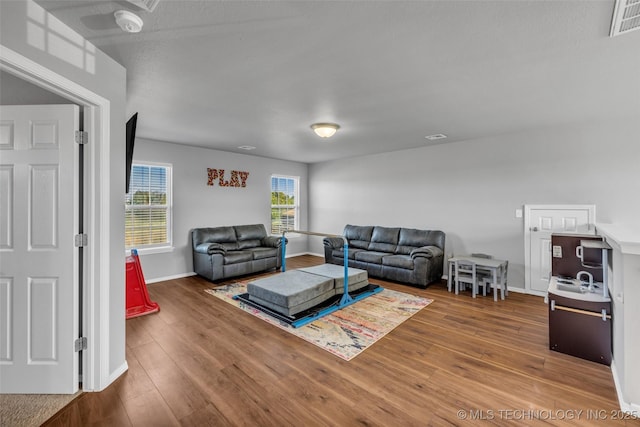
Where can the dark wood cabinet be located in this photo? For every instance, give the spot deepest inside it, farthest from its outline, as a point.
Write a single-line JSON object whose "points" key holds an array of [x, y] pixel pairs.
{"points": [[580, 328]]}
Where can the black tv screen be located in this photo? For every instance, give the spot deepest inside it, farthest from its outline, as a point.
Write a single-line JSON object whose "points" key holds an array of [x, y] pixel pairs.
{"points": [[131, 137]]}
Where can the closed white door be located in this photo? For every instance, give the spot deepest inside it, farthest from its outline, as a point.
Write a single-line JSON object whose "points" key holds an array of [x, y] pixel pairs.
{"points": [[38, 259], [540, 223]]}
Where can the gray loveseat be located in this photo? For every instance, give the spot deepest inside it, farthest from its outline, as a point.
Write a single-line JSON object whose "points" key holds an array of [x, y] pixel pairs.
{"points": [[222, 252], [400, 254]]}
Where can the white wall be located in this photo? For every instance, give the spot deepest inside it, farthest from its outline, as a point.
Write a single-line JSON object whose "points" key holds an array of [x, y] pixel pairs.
{"points": [[195, 204], [29, 30], [471, 189], [19, 92]]}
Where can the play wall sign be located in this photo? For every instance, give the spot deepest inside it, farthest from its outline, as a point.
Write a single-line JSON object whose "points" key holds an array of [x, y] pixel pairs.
{"points": [[236, 179]]}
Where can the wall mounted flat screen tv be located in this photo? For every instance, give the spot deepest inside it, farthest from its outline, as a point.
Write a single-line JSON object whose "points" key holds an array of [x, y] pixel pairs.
{"points": [[131, 137]]}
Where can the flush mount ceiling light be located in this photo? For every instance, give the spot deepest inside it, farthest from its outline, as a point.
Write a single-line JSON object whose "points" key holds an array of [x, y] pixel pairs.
{"points": [[128, 21], [325, 130]]}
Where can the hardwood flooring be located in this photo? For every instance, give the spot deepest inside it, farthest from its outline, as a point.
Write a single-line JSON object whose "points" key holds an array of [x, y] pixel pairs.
{"points": [[201, 361]]}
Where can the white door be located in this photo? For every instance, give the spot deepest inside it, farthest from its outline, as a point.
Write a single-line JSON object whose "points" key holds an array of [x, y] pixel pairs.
{"points": [[38, 259], [540, 222]]}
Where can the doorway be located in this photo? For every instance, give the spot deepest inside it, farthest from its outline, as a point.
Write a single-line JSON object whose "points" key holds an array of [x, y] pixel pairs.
{"points": [[540, 221], [97, 311]]}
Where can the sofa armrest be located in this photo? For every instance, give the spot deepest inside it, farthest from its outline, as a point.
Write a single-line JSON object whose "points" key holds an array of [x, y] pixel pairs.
{"points": [[210, 248], [333, 242], [426, 252], [273, 241]]}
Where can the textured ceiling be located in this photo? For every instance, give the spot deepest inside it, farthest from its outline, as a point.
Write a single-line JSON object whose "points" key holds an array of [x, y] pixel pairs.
{"points": [[223, 74]]}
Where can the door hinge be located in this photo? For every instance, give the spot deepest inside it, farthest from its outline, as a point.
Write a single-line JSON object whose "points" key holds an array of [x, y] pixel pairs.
{"points": [[80, 344], [82, 137], [81, 240]]}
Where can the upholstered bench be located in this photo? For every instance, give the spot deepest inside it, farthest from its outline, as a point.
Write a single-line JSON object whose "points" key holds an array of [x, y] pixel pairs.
{"points": [[295, 291]]}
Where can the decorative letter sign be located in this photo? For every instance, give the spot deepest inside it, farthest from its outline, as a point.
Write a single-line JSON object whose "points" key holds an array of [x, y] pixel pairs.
{"points": [[238, 178]]}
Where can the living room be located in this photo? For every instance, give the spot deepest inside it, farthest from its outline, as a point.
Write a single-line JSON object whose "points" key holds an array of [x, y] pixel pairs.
{"points": [[470, 188]]}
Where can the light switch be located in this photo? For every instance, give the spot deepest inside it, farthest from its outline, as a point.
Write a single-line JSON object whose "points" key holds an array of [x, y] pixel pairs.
{"points": [[518, 213]]}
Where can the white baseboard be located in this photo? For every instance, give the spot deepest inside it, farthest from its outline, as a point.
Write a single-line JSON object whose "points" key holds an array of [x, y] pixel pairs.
{"points": [[111, 378], [303, 253], [175, 276], [629, 407], [509, 288]]}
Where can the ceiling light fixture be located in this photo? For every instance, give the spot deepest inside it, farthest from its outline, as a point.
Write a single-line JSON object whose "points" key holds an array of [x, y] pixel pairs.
{"points": [[128, 21], [325, 130]]}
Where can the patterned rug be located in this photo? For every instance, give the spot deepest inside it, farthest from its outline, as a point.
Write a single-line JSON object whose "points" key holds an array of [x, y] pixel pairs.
{"points": [[347, 332]]}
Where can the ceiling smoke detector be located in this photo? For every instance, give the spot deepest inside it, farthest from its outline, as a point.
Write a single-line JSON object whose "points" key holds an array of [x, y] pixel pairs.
{"points": [[128, 21]]}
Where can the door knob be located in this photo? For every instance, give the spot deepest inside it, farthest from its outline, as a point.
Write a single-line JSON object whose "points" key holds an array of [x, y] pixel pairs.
{"points": [[534, 228]]}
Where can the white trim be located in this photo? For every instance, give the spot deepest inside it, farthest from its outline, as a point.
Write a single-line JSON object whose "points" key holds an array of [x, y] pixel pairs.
{"points": [[520, 291], [527, 237], [151, 250], [629, 407], [164, 246], [116, 373], [173, 277], [314, 254], [95, 359], [299, 254]]}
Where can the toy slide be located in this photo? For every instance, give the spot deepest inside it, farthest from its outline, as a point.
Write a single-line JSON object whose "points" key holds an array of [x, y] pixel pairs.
{"points": [[138, 302]]}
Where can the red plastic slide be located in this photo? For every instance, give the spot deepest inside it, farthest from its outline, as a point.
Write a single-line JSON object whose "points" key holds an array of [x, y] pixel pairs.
{"points": [[138, 302]]}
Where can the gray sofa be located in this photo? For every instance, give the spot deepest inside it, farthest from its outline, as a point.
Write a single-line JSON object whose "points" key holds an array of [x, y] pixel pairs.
{"points": [[222, 252], [403, 255]]}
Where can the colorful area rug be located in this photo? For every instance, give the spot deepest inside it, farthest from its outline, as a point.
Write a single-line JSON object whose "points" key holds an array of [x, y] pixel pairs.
{"points": [[347, 332]]}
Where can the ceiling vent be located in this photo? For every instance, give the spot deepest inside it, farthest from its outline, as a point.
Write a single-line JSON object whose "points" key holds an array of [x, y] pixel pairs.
{"points": [[148, 5], [626, 17], [435, 137]]}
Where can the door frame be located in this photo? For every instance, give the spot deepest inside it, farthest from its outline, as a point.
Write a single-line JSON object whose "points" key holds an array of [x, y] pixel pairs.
{"points": [[97, 259], [527, 237]]}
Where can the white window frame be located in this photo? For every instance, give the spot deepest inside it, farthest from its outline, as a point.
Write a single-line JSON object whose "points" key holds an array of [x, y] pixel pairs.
{"points": [[296, 206], [168, 245]]}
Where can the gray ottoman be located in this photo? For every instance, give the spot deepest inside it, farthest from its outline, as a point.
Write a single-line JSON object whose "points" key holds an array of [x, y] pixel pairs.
{"points": [[291, 292], [357, 278]]}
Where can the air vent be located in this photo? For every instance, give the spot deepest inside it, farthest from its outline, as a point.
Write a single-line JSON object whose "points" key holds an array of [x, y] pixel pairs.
{"points": [[148, 5], [435, 137], [626, 17]]}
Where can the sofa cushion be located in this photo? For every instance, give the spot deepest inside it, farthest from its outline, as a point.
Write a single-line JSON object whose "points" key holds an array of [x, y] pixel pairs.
{"points": [[213, 235], [384, 239], [261, 253], [339, 253], [411, 238], [371, 256], [250, 232], [400, 261], [250, 243], [234, 257], [358, 236]]}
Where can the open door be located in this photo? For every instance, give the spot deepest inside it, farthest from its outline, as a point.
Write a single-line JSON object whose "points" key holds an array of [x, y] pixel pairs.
{"points": [[39, 263]]}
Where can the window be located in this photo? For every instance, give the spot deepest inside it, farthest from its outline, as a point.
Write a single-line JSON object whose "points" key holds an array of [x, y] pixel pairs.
{"points": [[284, 203], [148, 207]]}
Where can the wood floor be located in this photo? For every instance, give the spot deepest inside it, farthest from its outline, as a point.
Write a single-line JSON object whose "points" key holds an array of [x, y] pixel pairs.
{"points": [[201, 361]]}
